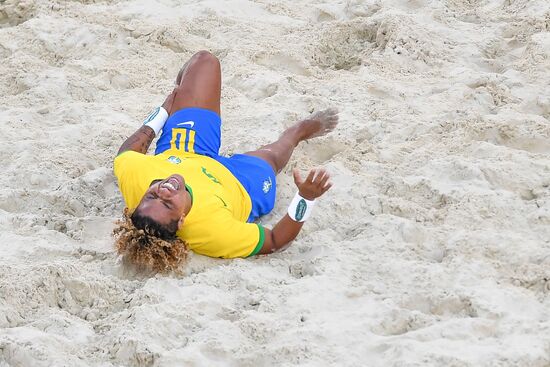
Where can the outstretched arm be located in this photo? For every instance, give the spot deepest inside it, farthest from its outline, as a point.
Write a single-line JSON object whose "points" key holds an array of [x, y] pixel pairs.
{"points": [[286, 230], [142, 138]]}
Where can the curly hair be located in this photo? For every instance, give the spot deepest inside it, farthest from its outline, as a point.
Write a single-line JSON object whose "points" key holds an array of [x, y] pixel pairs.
{"points": [[148, 244]]}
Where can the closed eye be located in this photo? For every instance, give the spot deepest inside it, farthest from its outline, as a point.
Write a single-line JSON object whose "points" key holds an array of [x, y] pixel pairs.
{"points": [[153, 197]]}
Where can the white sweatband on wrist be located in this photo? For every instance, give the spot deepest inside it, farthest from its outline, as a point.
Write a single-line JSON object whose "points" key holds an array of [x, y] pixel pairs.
{"points": [[300, 208], [156, 119]]}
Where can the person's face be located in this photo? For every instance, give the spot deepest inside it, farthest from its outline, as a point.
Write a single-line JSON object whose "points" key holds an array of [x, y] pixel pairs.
{"points": [[166, 201]]}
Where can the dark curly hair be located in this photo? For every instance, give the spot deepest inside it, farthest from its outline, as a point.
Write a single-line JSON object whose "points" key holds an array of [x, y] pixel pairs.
{"points": [[148, 244], [167, 233]]}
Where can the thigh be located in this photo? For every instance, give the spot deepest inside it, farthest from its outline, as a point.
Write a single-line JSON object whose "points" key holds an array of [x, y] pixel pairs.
{"points": [[200, 84], [267, 156]]}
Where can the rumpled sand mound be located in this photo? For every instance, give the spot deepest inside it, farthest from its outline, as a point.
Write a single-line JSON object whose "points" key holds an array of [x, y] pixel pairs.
{"points": [[433, 247]]}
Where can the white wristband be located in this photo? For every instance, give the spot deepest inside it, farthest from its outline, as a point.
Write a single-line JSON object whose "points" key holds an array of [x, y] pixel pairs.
{"points": [[156, 119], [300, 208]]}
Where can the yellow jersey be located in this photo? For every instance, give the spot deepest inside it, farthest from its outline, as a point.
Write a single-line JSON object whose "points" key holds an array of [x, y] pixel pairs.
{"points": [[216, 224]]}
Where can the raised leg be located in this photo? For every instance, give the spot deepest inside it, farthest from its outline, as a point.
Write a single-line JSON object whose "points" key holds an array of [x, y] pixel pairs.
{"points": [[278, 153], [198, 84]]}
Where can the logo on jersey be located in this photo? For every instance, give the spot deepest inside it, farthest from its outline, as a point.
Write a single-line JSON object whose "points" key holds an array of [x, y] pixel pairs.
{"points": [[267, 185], [187, 123], [173, 159], [210, 176]]}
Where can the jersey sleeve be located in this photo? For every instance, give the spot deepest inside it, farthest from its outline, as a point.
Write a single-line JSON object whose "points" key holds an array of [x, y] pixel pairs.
{"points": [[127, 167], [230, 238], [122, 161]]}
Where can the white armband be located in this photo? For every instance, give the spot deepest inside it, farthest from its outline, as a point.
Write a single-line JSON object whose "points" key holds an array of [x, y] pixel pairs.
{"points": [[156, 119], [300, 208]]}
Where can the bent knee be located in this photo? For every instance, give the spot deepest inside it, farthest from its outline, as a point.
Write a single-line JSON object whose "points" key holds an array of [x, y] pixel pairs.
{"points": [[205, 56]]}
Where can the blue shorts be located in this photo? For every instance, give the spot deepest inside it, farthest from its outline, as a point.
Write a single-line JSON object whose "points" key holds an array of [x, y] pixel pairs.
{"points": [[194, 130], [197, 130]]}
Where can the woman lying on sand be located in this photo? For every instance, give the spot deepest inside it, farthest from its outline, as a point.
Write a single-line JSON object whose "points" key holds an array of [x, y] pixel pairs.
{"points": [[188, 196]]}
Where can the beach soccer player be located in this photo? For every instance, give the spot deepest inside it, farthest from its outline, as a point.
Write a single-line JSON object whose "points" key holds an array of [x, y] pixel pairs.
{"points": [[187, 196]]}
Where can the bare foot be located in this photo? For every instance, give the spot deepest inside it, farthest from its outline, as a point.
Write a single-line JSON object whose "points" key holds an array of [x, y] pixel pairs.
{"points": [[318, 124]]}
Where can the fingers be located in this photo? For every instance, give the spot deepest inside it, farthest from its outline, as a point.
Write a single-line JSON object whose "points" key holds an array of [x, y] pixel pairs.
{"points": [[311, 175], [316, 175], [323, 179], [297, 178], [315, 185], [320, 178], [319, 175]]}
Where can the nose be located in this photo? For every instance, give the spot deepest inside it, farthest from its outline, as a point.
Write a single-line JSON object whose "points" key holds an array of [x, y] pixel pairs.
{"points": [[164, 193]]}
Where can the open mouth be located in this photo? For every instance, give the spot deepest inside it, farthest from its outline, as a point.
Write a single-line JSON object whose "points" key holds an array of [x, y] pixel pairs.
{"points": [[172, 184]]}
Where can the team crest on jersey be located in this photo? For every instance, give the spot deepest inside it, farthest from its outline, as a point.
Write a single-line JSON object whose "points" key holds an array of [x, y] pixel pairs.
{"points": [[267, 185], [174, 159]]}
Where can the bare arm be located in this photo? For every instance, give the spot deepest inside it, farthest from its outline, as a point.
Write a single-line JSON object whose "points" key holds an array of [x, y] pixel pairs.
{"points": [[138, 141], [142, 138], [286, 230]]}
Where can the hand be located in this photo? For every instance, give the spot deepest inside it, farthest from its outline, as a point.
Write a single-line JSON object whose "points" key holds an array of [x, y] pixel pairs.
{"points": [[167, 105], [315, 185]]}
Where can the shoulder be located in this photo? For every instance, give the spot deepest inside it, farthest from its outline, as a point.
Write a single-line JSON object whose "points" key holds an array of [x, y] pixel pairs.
{"points": [[128, 155], [129, 159]]}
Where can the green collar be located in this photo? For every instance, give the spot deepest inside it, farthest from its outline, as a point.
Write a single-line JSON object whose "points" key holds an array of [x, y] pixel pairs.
{"points": [[190, 191]]}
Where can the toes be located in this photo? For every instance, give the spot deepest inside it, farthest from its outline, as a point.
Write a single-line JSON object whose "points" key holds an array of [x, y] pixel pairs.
{"points": [[317, 115], [325, 116], [332, 111], [328, 114], [332, 123]]}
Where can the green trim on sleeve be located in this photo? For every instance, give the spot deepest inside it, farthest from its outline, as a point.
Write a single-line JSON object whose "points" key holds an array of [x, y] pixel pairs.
{"points": [[260, 241]]}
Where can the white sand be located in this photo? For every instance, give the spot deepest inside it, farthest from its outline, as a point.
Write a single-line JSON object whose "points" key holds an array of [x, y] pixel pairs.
{"points": [[432, 249]]}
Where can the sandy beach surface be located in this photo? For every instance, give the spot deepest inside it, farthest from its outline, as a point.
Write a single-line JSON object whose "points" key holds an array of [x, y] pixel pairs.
{"points": [[432, 248]]}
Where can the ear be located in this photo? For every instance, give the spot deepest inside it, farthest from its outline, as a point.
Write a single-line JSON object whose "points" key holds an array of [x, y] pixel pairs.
{"points": [[180, 221]]}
